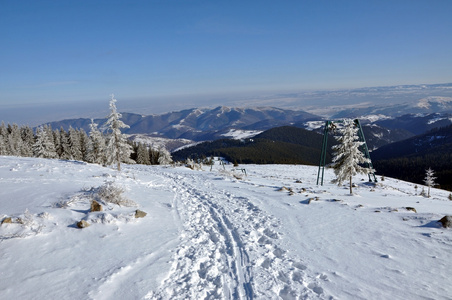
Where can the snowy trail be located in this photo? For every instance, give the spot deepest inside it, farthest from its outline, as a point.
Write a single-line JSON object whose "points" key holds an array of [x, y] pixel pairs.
{"points": [[274, 234], [229, 249]]}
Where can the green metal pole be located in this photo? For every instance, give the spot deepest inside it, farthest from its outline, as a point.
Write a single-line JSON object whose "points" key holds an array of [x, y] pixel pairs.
{"points": [[323, 153], [366, 150]]}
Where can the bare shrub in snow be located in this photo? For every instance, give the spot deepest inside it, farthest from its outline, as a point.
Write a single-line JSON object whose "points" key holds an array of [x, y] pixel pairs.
{"points": [[44, 215], [26, 220], [66, 203], [111, 193]]}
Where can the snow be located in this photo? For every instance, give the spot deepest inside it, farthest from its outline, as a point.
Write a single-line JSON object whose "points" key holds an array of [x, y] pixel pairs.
{"points": [[272, 234], [239, 134], [313, 125], [427, 101], [374, 118], [157, 143]]}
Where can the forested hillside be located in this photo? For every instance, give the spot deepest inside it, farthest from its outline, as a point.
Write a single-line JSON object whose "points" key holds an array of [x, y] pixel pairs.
{"points": [[408, 159], [281, 145]]}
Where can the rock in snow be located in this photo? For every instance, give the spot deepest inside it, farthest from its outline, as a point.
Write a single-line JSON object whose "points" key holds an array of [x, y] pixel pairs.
{"points": [[82, 224], [446, 221]]}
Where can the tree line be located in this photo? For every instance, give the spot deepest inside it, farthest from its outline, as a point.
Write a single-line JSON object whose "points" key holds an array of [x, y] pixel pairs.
{"points": [[106, 147]]}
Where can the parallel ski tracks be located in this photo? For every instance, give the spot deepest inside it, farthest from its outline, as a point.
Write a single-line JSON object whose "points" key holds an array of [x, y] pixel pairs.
{"points": [[228, 249]]}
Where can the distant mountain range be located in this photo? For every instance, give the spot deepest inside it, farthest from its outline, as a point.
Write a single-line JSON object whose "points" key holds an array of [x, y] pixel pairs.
{"points": [[403, 142], [210, 124], [199, 124]]}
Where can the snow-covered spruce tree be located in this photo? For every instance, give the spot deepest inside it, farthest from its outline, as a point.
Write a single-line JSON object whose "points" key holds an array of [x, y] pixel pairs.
{"points": [[57, 140], [96, 147], [28, 138], [143, 155], [14, 140], [83, 142], [118, 150], [44, 147], [429, 180], [75, 145], [65, 147], [348, 158], [3, 148], [164, 156]]}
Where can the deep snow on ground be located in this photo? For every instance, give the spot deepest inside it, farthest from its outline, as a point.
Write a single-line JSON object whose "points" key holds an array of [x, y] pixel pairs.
{"points": [[218, 234]]}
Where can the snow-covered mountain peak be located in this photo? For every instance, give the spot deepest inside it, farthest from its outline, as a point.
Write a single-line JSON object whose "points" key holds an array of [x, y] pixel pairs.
{"points": [[427, 102]]}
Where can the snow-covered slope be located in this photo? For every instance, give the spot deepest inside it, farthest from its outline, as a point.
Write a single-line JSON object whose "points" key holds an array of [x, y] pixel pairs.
{"points": [[219, 234]]}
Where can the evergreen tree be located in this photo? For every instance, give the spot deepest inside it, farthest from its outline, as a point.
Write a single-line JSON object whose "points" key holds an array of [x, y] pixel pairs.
{"points": [[429, 180], [164, 156], [3, 130], [65, 147], [14, 140], [347, 156], [57, 140], [28, 139], [3, 147], [96, 147], [4, 134], [49, 132], [143, 155], [118, 150], [44, 146], [83, 137], [75, 145], [153, 156]]}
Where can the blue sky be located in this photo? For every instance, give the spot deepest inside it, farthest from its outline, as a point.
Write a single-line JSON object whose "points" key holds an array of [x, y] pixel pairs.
{"points": [[67, 51]]}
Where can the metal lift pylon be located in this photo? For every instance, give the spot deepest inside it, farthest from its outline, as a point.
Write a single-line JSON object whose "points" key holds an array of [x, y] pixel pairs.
{"points": [[364, 149]]}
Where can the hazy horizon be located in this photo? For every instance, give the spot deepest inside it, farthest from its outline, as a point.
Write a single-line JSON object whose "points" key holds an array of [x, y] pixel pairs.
{"points": [[41, 113], [160, 56]]}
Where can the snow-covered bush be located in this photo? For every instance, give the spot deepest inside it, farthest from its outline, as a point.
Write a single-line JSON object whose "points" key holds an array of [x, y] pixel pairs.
{"points": [[112, 193], [189, 163], [22, 226]]}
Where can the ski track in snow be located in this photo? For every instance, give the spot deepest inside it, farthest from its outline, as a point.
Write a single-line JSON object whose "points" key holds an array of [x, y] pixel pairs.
{"points": [[229, 249], [210, 236]]}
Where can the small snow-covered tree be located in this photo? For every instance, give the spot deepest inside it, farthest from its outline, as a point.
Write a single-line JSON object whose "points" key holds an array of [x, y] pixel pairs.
{"points": [[429, 180], [348, 158], [164, 156], [118, 150]]}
